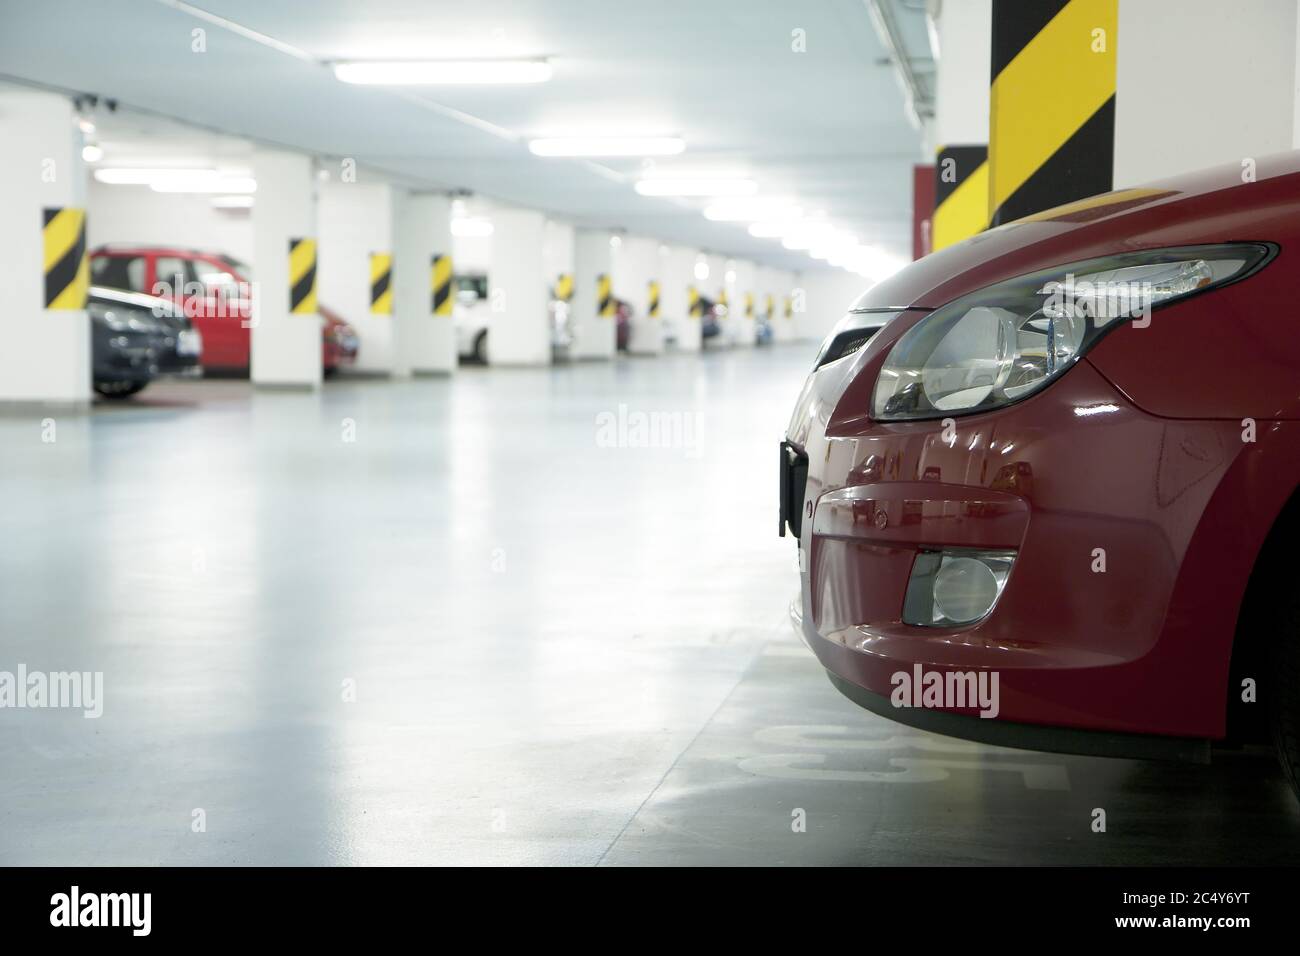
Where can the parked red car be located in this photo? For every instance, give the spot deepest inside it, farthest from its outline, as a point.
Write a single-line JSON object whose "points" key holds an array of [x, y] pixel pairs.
{"points": [[220, 309], [1065, 470]]}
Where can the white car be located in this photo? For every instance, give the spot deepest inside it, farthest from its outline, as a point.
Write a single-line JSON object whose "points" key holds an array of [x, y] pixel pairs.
{"points": [[471, 311]]}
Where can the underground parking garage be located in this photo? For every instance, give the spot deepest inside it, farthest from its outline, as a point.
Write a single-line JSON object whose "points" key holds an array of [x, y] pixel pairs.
{"points": [[860, 433]]}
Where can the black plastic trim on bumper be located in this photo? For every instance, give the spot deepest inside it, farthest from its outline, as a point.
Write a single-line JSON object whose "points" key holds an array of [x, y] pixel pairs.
{"points": [[794, 481], [1002, 733]]}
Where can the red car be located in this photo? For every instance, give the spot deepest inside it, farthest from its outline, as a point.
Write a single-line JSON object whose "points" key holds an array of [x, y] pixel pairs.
{"points": [[1050, 503], [218, 300]]}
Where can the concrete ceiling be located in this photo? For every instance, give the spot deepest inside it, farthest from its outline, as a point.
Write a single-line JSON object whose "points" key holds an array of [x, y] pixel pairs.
{"points": [[826, 126]]}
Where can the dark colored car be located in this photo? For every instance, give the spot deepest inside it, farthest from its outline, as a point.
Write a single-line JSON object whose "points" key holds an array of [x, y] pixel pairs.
{"points": [[1053, 503], [135, 338], [711, 327]]}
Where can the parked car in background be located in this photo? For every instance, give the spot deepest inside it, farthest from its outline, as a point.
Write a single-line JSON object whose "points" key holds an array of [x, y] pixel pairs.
{"points": [[136, 338], [340, 344], [215, 292], [712, 312], [1068, 467], [471, 312]]}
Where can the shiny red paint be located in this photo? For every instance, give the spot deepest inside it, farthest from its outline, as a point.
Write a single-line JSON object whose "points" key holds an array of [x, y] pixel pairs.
{"points": [[1137, 450], [223, 322]]}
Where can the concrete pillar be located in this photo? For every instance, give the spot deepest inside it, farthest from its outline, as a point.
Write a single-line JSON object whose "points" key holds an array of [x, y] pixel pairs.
{"points": [[424, 293], [783, 325], [1172, 53], [356, 265], [742, 295], [961, 120], [678, 272], [592, 259], [43, 267], [518, 290], [637, 265], [286, 329]]}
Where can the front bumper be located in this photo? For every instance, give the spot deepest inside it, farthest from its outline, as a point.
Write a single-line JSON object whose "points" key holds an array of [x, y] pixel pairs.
{"points": [[1074, 474]]}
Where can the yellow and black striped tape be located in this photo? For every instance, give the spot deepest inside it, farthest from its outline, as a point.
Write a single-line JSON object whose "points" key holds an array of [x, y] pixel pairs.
{"points": [[604, 297], [789, 307], [722, 301], [768, 307], [381, 283], [302, 276], [564, 287], [694, 307], [440, 277], [749, 305], [66, 268], [961, 194], [1051, 105], [654, 298]]}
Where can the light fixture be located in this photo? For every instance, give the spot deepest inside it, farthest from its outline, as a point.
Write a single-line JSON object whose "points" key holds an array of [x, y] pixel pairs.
{"points": [[204, 184], [178, 180], [232, 202], [580, 146], [86, 126], [657, 186], [751, 210], [701, 269], [92, 153], [443, 72], [471, 227]]}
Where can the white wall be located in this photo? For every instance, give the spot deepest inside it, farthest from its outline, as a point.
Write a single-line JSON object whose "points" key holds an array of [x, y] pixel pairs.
{"points": [[137, 214], [1202, 82], [827, 296]]}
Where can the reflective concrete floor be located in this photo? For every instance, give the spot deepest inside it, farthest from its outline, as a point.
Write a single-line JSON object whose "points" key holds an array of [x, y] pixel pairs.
{"points": [[476, 622]]}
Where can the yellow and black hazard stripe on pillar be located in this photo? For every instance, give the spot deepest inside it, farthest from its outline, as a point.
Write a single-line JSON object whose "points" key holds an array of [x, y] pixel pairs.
{"points": [[440, 277], [749, 305], [789, 307], [381, 283], [1052, 104], [961, 194], [302, 276], [768, 307], [694, 307], [604, 297], [654, 298], [564, 287], [66, 268], [722, 301]]}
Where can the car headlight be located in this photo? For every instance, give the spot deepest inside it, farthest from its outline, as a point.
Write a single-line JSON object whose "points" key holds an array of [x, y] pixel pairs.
{"points": [[1005, 342]]}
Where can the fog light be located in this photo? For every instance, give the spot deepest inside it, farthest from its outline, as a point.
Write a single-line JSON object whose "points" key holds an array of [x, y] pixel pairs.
{"points": [[955, 587]]}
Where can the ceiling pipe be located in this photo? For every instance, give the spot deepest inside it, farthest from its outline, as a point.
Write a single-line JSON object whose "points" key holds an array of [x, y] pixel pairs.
{"points": [[918, 104]]}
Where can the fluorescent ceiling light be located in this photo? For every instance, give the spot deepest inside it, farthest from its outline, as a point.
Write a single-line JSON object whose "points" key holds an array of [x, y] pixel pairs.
{"points": [[471, 227], [92, 153], [696, 187], [178, 180], [751, 210], [204, 184], [607, 146], [775, 229], [444, 72]]}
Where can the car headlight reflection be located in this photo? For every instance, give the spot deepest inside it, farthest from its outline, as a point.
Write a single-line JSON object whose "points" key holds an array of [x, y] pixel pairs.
{"points": [[1007, 341]]}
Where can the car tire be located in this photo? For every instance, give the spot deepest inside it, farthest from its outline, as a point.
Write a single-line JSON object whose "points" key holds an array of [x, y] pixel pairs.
{"points": [[119, 389], [480, 347], [1283, 691]]}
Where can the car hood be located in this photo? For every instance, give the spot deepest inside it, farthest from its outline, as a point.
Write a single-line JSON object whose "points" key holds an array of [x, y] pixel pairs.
{"points": [[1221, 204]]}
